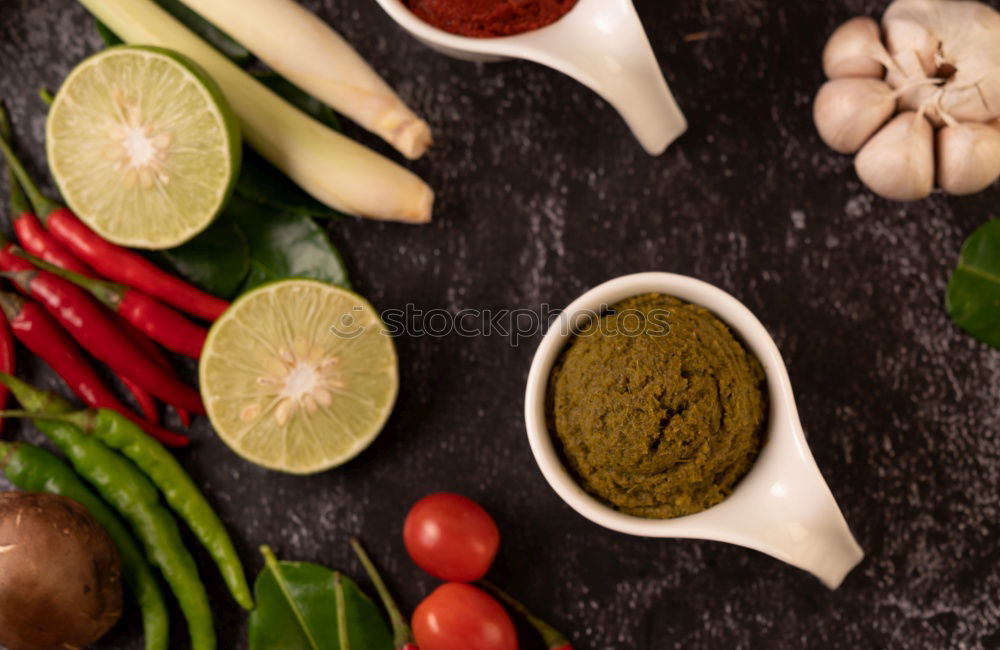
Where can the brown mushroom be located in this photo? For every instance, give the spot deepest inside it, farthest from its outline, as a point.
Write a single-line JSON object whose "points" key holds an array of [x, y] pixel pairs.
{"points": [[60, 575]]}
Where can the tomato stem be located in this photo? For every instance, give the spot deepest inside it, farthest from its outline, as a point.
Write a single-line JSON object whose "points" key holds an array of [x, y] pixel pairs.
{"points": [[554, 639], [402, 636]]}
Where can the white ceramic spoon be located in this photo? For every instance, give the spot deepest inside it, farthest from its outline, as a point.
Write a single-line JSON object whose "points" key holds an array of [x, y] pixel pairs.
{"points": [[600, 43], [782, 507]]}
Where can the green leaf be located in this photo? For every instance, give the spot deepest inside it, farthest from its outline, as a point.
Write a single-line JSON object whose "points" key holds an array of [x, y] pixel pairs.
{"points": [[297, 610], [299, 98], [285, 245], [973, 298], [207, 31], [262, 183], [109, 37], [217, 260]]}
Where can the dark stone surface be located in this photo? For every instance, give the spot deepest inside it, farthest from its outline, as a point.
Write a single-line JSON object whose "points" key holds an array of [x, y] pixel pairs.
{"points": [[542, 193]]}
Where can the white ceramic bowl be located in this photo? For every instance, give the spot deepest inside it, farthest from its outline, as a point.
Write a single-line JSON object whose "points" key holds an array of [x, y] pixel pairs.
{"points": [[600, 43], [782, 507]]}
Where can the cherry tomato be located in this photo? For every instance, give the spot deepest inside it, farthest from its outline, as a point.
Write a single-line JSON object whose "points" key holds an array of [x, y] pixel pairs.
{"points": [[451, 537], [458, 616]]}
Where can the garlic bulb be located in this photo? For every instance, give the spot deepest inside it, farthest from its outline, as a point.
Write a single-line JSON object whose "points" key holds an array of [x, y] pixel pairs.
{"points": [[968, 157], [898, 162], [848, 111], [941, 65], [957, 43], [855, 50]]}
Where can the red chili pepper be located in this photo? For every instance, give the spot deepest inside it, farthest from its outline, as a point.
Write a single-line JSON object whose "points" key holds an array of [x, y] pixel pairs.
{"points": [[109, 260], [145, 400], [35, 239], [11, 261], [50, 249], [29, 230], [7, 359], [161, 323], [156, 354], [97, 332], [40, 333]]}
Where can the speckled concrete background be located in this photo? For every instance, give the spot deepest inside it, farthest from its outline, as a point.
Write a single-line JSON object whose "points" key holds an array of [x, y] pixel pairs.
{"points": [[542, 194]]}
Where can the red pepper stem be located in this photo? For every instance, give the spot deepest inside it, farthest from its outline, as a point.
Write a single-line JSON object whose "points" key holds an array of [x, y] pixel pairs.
{"points": [[43, 205], [11, 305], [20, 278], [108, 293], [18, 202], [554, 639], [402, 636]]}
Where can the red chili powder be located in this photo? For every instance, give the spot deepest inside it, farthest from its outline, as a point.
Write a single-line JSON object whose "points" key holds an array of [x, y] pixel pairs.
{"points": [[487, 18]]}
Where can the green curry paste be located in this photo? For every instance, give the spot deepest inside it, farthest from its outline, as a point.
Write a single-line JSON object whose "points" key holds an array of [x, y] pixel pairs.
{"points": [[659, 410]]}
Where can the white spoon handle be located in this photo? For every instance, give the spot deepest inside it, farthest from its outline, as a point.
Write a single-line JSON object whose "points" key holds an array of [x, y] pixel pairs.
{"points": [[601, 43], [785, 509]]}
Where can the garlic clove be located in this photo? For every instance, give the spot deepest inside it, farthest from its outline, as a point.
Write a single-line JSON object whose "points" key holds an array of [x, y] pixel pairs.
{"points": [[848, 111], [972, 98], [906, 30], [898, 162], [855, 50], [968, 157]]}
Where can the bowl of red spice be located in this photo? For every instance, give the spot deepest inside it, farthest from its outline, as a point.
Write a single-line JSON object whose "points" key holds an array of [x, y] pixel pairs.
{"points": [[600, 43]]}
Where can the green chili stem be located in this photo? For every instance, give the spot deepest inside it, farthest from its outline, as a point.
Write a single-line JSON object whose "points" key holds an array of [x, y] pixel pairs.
{"points": [[338, 594], [46, 96], [7, 449], [33, 399], [43, 206], [553, 638], [83, 420], [400, 630]]}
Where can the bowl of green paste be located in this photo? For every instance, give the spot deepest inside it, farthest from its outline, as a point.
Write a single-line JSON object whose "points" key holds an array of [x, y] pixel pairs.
{"points": [[658, 405]]}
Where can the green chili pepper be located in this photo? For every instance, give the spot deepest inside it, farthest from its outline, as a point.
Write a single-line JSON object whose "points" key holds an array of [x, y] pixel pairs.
{"points": [[34, 469], [161, 467], [128, 490]]}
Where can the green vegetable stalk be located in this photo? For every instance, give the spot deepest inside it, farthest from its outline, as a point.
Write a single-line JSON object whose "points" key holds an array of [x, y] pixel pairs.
{"points": [[34, 469], [331, 167]]}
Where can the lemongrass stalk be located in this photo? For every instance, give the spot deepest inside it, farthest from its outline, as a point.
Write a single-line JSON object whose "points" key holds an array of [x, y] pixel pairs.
{"points": [[331, 167], [298, 45]]}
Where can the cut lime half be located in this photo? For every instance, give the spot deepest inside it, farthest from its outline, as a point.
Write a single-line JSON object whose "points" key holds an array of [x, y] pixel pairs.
{"points": [[143, 145], [299, 376]]}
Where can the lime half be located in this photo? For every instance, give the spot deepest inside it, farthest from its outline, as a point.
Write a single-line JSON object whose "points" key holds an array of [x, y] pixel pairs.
{"points": [[299, 376], [143, 145]]}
